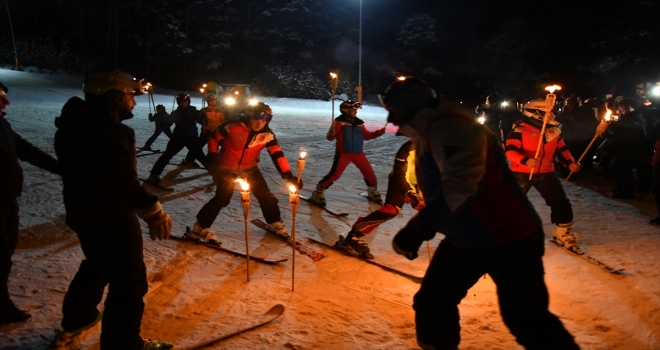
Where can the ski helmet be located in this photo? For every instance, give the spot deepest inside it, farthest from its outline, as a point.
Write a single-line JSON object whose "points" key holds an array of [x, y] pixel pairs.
{"points": [[260, 111], [210, 98], [182, 97], [160, 106], [348, 106], [408, 92], [535, 108], [100, 82]]}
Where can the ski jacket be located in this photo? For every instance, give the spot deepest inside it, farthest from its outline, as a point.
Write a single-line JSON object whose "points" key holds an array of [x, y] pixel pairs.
{"points": [[240, 147], [403, 171], [162, 120], [471, 195], [214, 116], [523, 140], [186, 120], [100, 183], [350, 134], [12, 148]]}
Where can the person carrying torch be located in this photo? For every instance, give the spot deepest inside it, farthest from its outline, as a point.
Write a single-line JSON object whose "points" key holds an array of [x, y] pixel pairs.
{"points": [[521, 148], [234, 150]]}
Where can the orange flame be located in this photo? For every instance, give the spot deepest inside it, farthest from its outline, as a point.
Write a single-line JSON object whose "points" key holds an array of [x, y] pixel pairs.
{"points": [[302, 155], [333, 75], [608, 116], [553, 88], [293, 189], [244, 185]]}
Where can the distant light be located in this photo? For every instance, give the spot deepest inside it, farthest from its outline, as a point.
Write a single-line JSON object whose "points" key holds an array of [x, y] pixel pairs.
{"points": [[253, 102], [230, 101], [481, 120], [656, 91], [505, 103], [401, 78]]}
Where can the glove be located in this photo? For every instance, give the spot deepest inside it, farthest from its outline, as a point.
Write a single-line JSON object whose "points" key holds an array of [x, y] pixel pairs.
{"points": [[151, 117], [380, 132], [574, 167], [407, 242], [532, 162], [160, 224], [414, 200], [288, 176]]}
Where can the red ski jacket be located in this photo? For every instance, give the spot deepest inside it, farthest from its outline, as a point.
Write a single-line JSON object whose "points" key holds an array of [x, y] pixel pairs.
{"points": [[350, 134], [240, 147], [522, 142]]}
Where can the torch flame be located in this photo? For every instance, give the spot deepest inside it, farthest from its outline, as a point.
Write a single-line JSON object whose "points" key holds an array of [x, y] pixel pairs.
{"points": [[203, 85], [201, 90], [302, 155], [244, 185], [553, 88], [293, 189], [608, 115], [401, 78], [333, 75]]}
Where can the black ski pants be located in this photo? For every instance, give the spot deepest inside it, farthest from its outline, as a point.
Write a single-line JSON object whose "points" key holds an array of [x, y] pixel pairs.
{"points": [[113, 258], [8, 241], [550, 188], [516, 269], [203, 140], [224, 180], [655, 190], [174, 146]]}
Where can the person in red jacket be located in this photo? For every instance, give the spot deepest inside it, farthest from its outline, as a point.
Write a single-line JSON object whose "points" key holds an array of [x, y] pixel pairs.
{"points": [[521, 147], [350, 133], [234, 150]]}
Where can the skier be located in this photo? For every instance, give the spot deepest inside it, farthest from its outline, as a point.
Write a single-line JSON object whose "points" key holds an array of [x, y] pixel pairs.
{"points": [[185, 118], [103, 200], [401, 189], [12, 148], [350, 132], [162, 122], [521, 147], [234, 151], [491, 227], [214, 118]]}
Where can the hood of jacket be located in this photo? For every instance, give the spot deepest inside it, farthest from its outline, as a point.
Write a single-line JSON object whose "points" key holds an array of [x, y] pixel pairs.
{"points": [[80, 113]]}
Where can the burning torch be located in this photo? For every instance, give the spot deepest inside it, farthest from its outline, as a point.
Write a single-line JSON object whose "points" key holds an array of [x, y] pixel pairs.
{"points": [[294, 200], [201, 91], [301, 165], [334, 80], [245, 199], [549, 104], [600, 129]]}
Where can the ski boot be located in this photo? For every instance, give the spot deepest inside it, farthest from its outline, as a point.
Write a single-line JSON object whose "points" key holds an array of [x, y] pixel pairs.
{"points": [[202, 234], [9, 313], [355, 243], [374, 195], [564, 235], [153, 179], [71, 339], [150, 344], [278, 228], [190, 163], [318, 196]]}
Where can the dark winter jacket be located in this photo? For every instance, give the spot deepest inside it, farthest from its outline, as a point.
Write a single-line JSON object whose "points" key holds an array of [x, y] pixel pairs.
{"points": [[163, 120], [96, 154], [186, 120], [471, 195], [12, 148], [350, 134]]}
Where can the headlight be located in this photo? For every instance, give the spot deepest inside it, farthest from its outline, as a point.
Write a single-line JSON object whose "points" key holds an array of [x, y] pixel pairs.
{"points": [[230, 101], [253, 102]]}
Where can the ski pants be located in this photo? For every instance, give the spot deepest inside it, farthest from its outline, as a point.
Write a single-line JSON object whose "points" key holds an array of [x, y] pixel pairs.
{"points": [[8, 240], [550, 188], [516, 269], [113, 258], [655, 190], [175, 145], [394, 201], [157, 133], [224, 180], [203, 140], [342, 160]]}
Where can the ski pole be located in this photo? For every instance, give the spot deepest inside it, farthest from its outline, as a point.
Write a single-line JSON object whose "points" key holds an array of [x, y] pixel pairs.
{"points": [[605, 121], [549, 104], [294, 200]]}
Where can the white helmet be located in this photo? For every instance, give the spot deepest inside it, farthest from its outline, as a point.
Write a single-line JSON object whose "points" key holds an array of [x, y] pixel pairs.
{"points": [[536, 109]]}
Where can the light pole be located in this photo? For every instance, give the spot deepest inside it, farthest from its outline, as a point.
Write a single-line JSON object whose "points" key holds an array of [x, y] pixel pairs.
{"points": [[359, 87]]}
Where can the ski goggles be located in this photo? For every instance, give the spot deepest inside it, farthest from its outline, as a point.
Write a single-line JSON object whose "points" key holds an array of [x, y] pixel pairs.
{"points": [[262, 116]]}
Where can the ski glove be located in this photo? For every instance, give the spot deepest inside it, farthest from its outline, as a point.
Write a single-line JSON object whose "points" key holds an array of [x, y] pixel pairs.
{"points": [[288, 176], [407, 242], [414, 200], [160, 224]]}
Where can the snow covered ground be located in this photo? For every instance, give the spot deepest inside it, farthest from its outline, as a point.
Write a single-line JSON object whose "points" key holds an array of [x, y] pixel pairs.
{"points": [[339, 302]]}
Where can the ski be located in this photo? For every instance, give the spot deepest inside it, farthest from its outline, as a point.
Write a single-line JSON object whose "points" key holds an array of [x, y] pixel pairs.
{"points": [[141, 154], [313, 254], [270, 315], [150, 183], [366, 195], [72, 340], [414, 277], [226, 250], [308, 200], [188, 166], [140, 150], [588, 258]]}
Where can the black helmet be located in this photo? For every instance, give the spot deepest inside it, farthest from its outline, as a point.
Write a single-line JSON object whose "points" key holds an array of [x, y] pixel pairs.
{"points": [[348, 106], [182, 96], [408, 92], [160, 106]]}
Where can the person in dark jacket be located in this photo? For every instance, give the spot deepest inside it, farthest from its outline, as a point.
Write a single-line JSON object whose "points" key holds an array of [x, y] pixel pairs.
{"points": [[185, 118], [491, 227], [12, 148], [103, 200], [162, 121]]}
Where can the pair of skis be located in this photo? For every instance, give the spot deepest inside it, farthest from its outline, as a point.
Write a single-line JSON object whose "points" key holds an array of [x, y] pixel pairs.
{"points": [[311, 253], [587, 258]]}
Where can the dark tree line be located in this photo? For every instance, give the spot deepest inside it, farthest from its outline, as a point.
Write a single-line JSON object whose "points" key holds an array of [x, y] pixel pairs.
{"points": [[287, 47]]}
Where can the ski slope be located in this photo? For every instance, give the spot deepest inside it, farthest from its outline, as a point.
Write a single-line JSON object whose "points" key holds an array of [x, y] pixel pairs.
{"points": [[339, 302]]}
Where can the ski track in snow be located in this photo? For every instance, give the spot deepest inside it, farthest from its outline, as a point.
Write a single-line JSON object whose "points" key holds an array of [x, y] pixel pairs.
{"points": [[339, 302]]}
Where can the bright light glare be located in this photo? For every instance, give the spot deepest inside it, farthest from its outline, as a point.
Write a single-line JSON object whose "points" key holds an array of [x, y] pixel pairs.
{"points": [[244, 185], [230, 101], [333, 75], [608, 115], [553, 88], [401, 78], [292, 188], [253, 102], [302, 155], [505, 103], [481, 120], [235, 92], [656, 91]]}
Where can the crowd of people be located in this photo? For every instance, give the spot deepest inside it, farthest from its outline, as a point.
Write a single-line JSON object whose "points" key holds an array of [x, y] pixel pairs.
{"points": [[466, 173]]}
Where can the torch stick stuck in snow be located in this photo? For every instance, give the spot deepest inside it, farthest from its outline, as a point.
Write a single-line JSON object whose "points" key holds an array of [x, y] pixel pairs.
{"points": [[245, 199], [604, 123], [301, 165], [333, 78], [294, 200], [549, 105]]}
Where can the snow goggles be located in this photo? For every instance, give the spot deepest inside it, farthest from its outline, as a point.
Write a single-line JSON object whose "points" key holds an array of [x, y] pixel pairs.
{"points": [[262, 116]]}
